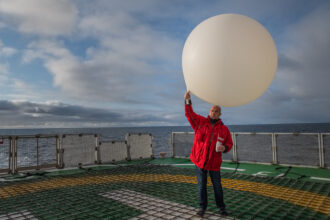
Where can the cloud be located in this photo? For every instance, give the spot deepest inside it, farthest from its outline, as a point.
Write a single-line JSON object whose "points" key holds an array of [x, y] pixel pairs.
{"points": [[300, 90], [40, 17], [4, 69], [301, 85], [57, 114], [6, 51], [126, 56], [2, 25], [307, 46], [122, 68], [14, 88]]}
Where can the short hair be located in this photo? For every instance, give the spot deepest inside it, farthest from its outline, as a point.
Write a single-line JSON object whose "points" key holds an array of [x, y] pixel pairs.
{"points": [[218, 106]]}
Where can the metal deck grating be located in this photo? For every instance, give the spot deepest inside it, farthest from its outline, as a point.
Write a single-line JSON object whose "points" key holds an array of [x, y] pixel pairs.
{"points": [[152, 191]]}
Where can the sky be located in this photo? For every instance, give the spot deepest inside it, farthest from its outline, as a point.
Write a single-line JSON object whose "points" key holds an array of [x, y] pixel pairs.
{"points": [[105, 63]]}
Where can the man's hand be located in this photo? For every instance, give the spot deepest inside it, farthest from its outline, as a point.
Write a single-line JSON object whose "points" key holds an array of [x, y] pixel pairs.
{"points": [[187, 95], [220, 148]]}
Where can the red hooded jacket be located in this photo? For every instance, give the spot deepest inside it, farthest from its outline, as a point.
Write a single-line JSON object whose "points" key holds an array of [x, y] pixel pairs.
{"points": [[203, 152]]}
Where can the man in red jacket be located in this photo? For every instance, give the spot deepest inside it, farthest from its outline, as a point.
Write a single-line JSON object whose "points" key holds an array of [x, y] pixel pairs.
{"points": [[212, 138]]}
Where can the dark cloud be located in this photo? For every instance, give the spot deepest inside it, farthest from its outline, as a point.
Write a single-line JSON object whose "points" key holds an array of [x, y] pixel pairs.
{"points": [[28, 114], [7, 106], [287, 63]]}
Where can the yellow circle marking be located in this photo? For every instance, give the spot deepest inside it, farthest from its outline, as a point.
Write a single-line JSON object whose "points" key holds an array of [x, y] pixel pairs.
{"points": [[317, 202]]}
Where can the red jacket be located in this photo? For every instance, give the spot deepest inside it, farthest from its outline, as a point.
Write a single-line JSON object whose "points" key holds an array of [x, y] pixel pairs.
{"points": [[203, 152]]}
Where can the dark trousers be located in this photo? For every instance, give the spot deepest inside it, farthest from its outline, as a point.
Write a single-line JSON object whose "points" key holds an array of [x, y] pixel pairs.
{"points": [[202, 183]]}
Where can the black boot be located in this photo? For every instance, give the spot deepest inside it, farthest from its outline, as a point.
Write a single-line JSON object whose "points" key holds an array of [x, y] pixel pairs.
{"points": [[200, 212], [223, 212]]}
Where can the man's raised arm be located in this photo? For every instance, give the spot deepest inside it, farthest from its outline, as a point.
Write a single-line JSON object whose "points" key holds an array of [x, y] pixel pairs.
{"points": [[192, 117]]}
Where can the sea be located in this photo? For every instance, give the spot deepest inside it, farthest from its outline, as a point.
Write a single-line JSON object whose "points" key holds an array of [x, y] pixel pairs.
{"points": [[162, 135]]}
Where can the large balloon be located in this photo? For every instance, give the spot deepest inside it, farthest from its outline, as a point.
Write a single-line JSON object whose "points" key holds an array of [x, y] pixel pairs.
{"points": [[229, 60]]}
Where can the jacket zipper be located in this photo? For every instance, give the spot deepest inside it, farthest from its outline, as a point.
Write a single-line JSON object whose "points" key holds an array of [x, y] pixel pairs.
{"points": [[208, 149]]}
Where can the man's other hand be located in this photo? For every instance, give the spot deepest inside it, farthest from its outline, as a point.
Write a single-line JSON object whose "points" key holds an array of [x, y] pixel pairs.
{"points": [[220, 148]]}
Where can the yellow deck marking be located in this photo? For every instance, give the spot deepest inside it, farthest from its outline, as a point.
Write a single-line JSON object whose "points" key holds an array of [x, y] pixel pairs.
{"points": [[317, 202]]}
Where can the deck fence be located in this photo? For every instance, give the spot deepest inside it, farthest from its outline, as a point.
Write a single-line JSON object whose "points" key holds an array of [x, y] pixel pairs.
{"points": [[306, 149], [36, 152], [5, 149]]}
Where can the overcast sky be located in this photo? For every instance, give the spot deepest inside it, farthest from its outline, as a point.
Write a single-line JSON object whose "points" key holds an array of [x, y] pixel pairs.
{"points": [[83, 63]]}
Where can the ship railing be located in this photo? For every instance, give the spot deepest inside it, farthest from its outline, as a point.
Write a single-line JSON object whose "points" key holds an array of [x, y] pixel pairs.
{"points": [[293, 149], [38, 152]]}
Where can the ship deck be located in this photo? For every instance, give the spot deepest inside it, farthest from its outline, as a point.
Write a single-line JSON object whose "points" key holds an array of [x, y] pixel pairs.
{"points": [[164, 189]]}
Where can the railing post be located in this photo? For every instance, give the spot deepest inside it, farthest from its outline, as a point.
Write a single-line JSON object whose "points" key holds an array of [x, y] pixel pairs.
{"points": [[59, 152], [172, 144], [235, 157], [274, 148], [10, 154], [14, 165], [321, 149], [38, 154], [128, 147], [97, 150]]}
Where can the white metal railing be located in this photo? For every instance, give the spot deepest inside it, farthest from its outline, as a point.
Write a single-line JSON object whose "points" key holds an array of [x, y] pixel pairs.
{"points": [[25, 152], [307, 149], [30, 152], [36, 152]]}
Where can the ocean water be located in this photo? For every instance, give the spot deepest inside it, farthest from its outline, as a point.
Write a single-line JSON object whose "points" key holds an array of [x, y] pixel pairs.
{"points": [[162, 135]]}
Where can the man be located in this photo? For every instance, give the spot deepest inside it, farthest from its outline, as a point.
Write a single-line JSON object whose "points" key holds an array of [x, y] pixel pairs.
{"points": [[212, 138]]}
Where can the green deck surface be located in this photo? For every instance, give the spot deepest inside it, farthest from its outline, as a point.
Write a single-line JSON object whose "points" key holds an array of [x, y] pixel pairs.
{"points": [[312, 174], [75, 193], [307, 173]]}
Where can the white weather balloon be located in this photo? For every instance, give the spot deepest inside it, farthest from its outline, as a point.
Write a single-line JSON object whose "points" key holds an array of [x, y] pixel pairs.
{"points": [[229, 60]]}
